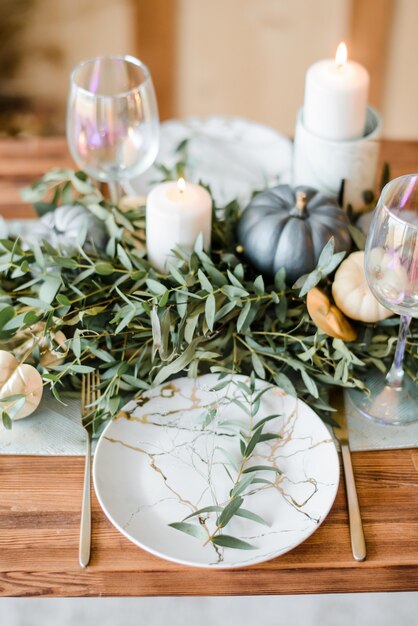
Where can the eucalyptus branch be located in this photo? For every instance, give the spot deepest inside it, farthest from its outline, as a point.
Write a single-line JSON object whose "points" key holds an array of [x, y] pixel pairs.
{"points": [[246, 475], [139, 327]]}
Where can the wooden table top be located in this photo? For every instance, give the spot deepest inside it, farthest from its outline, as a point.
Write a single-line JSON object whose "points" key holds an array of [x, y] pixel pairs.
{"points": [[40, 497]]}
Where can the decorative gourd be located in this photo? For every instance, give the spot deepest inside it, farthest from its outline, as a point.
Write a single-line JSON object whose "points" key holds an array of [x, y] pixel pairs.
{"points": [[352, 294], [52, 346], [285, 227], [62, 227], [19, 379], [328, 317]]}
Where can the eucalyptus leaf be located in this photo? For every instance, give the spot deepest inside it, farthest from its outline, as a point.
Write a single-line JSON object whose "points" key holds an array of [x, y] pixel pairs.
{"points": [[123, 257], [229, 511], [206, 285], [242, 485], [6, 314], [76, 344], [252, 516], [155, 287], [49, 289], [261, 468], [177, 275], [326, 254], [6, 420], [190, 529], [205, 509], [178, 364], [234, 292], [258, 365], [358, 236], [104, 269], [242, 318], [310, 282], [226, 541], [210, 310], [310, 384], [259, 286], [253, 442]]}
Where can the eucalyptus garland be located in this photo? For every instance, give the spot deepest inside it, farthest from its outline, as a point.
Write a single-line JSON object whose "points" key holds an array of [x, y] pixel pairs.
{"points": [[71, 309]]}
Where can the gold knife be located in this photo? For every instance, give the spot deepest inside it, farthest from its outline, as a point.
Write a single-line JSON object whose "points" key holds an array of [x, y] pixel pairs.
{"points": [[358, 544]]}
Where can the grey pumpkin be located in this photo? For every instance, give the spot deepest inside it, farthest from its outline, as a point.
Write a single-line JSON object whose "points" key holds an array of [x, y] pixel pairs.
{"points": [[63, 226], [286, 227]]}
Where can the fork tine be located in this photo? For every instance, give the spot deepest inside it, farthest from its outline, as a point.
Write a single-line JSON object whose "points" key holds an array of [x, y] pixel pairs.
{"points": [[96, 385], [83, 395], [93, 391], [89, 392]]}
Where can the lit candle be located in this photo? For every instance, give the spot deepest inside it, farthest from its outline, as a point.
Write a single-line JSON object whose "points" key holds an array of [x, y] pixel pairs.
{"points": [[176, 214], [336, 98]]}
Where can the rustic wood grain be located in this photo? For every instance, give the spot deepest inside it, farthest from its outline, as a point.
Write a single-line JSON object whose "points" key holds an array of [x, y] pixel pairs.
{"points": [[40, 497], [369, 40], [39, 524], [156, 29]]}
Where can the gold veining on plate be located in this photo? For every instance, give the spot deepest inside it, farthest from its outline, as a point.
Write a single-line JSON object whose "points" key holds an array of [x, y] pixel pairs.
{"points": [[185, 452]]}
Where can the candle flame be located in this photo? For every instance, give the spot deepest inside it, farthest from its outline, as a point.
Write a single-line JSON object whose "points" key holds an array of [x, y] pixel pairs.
{"points": [[341, 55], [181, 185]]}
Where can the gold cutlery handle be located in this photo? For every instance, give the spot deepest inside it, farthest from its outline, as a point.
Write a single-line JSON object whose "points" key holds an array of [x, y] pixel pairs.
{"points": [[85, 526], [358, 543]]}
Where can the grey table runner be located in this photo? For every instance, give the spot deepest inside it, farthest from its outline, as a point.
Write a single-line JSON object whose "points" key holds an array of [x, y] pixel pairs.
{"points": [[55, 430]]}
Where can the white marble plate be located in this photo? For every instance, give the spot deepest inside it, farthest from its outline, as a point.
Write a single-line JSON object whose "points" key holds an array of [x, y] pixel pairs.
{"points": [[159, 462], [235, 157]]}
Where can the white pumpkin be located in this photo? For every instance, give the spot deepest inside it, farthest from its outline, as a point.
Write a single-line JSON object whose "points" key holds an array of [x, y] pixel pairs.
{"points": [[352, 294], [19, 378], [62, 227]]}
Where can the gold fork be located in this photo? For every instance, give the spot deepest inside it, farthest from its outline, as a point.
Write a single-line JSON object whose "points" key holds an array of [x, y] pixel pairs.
{"points": [[90, 393]]}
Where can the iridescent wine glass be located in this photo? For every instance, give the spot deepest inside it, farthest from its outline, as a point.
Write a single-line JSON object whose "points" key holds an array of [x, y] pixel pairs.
{"points": [[112, 119], [391, 265]]}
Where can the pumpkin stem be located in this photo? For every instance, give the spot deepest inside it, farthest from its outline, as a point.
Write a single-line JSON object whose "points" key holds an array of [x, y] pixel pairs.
{"points": [[299, 209]]}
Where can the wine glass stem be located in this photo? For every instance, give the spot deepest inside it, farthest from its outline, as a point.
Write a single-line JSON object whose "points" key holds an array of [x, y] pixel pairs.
{"points": [[114, 191], [395, 375]]}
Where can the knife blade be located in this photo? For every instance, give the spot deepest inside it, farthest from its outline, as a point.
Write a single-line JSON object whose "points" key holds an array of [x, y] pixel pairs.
{"points": [[358, 543]]}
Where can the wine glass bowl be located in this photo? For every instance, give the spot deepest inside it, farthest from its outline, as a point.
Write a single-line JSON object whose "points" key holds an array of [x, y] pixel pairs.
{"points": [[391, 266], [112, 118], [392, 247]]}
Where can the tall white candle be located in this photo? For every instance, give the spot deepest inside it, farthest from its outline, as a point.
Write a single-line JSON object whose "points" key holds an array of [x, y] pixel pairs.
{"points": [[336, 94], [176, 214]]}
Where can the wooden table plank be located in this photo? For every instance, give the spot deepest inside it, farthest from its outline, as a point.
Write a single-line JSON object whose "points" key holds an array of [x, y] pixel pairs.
{"points": [[40, 497], [39, 525]]}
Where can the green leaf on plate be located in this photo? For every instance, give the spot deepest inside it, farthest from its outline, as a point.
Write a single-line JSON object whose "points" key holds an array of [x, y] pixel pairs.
{"points": [[252, 516], [226, 541], [261, 468], [241, 486], [206, 509], [229, 511], [190, 529]]}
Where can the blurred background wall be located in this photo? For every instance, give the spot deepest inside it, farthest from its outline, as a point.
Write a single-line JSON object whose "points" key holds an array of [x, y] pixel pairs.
{"points": [[236, 57]]}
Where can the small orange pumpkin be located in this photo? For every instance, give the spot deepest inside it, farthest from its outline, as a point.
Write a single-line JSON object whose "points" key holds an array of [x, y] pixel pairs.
{"points": [[328, 317]]}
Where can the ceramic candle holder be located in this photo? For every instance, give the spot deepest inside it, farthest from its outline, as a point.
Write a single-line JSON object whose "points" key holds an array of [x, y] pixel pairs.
{"points": [[324, 163]]}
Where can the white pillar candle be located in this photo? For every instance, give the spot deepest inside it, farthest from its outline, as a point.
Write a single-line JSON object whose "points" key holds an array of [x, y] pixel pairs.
{"points": [[336, 98], [176, 214]]}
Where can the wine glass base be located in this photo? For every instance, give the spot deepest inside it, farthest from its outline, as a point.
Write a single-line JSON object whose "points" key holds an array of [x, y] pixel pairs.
{"points": [[385, 404]]}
